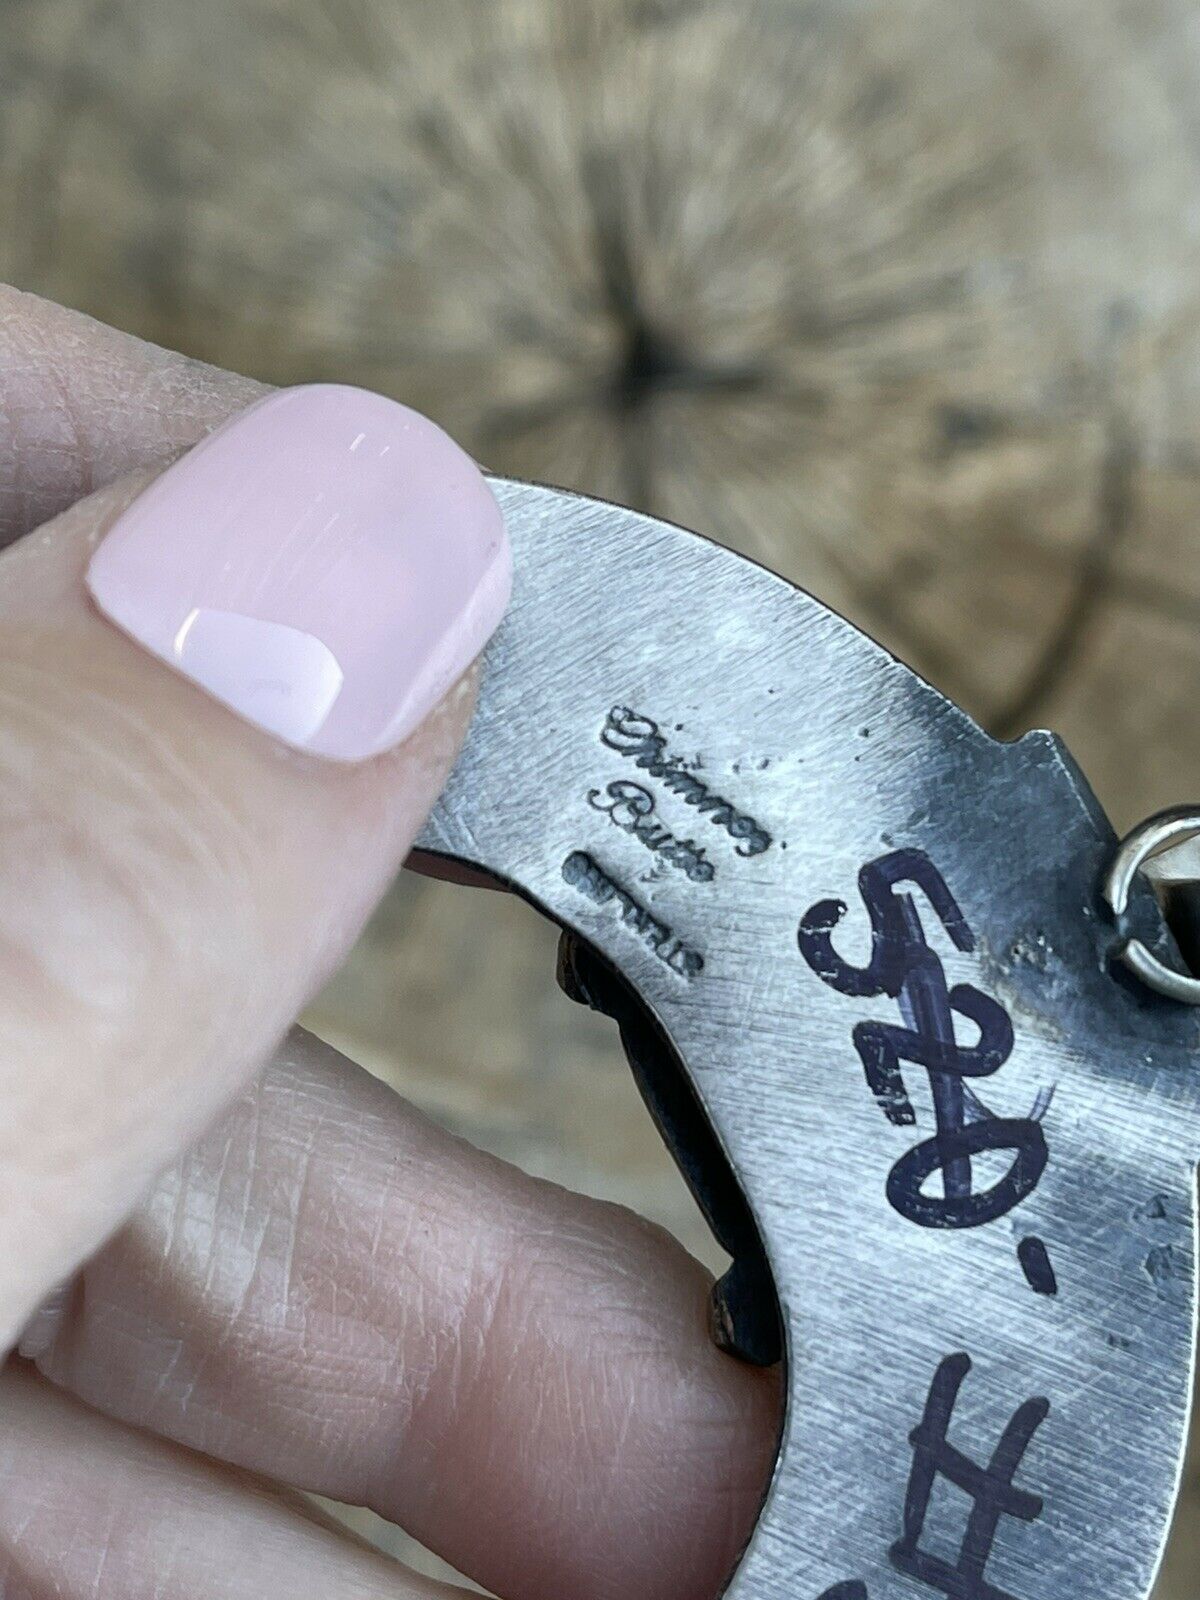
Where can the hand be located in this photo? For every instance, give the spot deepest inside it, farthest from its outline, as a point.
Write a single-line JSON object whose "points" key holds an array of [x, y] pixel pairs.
{"points": [[326, 1292]]}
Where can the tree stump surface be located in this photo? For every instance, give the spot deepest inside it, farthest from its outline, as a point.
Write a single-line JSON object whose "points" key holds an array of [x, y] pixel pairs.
{"points": [[898, 296]]}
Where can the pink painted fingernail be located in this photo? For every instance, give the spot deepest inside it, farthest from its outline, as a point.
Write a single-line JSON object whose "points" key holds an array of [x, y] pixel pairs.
{"points": [[327, 564]]}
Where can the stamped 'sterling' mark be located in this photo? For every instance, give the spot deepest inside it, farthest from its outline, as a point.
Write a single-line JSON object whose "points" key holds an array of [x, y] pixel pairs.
{"points": [[591, 879]]}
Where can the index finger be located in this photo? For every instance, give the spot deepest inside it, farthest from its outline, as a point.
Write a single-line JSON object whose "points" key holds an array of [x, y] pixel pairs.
{"points": [[81, 405], [332, 1291]]}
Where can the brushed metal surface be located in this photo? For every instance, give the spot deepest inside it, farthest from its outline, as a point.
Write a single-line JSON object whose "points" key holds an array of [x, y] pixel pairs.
{"points": [[782, 752]]}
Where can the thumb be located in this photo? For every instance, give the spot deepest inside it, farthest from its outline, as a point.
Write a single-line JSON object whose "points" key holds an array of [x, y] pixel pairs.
{"points": [[228, 697]]}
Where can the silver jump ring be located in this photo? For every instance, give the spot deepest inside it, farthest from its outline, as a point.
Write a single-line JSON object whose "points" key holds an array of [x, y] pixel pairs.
{"points": [[1146, 840]]}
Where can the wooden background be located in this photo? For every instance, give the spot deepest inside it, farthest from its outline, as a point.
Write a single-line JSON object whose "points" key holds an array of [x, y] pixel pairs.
{"points": [[900, 296]]}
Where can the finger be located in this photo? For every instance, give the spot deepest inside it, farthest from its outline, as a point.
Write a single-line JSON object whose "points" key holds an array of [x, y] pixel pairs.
{"points": [[82, 405], [330, 1290], [91, 1510], [175, 882]]}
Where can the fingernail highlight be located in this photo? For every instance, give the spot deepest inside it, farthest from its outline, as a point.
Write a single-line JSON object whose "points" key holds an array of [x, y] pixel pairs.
{"points": [[327, 564]]}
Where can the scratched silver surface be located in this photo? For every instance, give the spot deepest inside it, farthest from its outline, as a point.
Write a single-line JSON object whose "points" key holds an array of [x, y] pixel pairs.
{"points": [[841, 754]]}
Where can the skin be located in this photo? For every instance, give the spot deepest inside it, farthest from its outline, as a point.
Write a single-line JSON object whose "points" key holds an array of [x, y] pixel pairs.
{"points": [[234, 1264]]}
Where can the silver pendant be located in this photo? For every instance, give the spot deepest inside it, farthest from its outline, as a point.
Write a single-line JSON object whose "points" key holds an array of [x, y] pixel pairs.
{"points": [[865, 971]]}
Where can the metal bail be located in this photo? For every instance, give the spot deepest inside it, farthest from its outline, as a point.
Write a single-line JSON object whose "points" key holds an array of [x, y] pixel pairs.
{"points": [[1153, 838]]}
